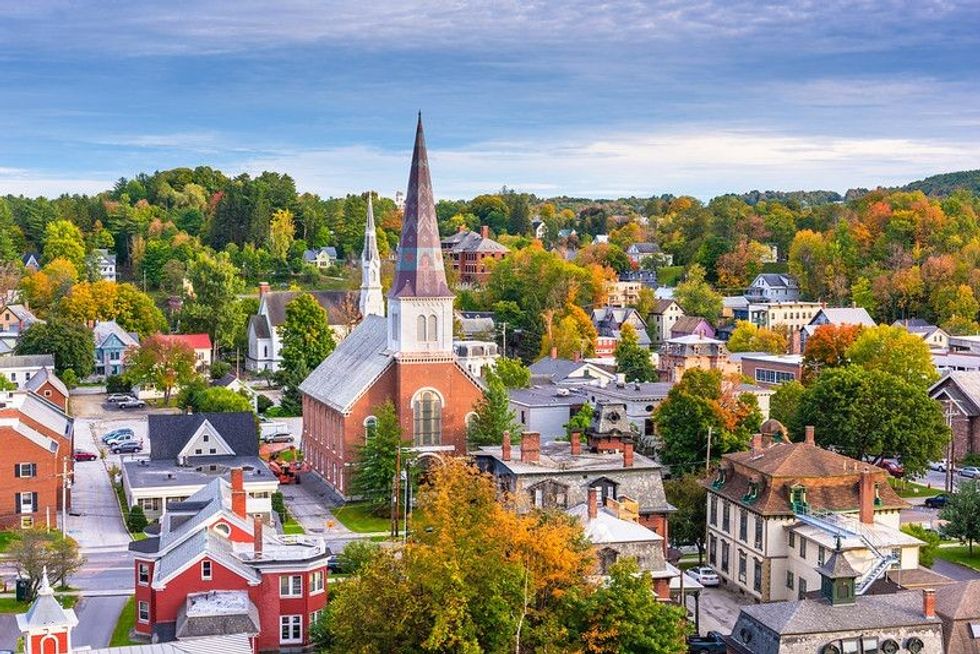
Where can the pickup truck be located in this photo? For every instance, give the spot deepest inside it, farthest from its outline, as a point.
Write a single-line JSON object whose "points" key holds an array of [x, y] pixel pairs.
{"points": [[711, 642], [274, 432]]}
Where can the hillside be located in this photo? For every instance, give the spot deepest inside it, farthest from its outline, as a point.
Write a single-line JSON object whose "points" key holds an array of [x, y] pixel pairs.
{"points": [[946, 183]]}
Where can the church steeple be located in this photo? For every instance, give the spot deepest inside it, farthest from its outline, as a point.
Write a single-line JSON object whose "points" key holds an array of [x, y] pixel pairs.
{"points": [[371, 302], [420, 304]]}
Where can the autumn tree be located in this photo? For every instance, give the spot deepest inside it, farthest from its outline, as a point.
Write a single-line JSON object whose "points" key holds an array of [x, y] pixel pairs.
{"points": [[493, 414], [63, 240], [632, 359], [748, 337], [737, 269], [281, 233], [956, 307], [571, 333], [108, 300], [808, 258], [827, 348], [35, 550], [696, 297], [305, 334], [893, 350], [162, 362]]}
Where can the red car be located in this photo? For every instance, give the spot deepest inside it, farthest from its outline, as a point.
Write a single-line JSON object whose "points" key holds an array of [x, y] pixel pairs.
{"points": [[894, 468], [82, 455]]}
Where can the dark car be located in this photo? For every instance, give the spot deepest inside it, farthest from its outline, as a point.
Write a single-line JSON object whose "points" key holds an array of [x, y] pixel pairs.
{"points": [[82, 455], [937, 502], [711, 642], [894, 469], [129, 447], [333, 564]]}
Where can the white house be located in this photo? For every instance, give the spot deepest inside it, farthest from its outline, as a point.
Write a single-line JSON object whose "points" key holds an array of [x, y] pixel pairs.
{"points": [[105, 263], [773, 287], [321, 257], [18, 369]]}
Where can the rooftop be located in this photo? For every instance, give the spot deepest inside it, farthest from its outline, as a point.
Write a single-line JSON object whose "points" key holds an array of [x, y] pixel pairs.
{"points": [[606, 527], [27, 361], [557, 456], [546, 395], [199, 471]]}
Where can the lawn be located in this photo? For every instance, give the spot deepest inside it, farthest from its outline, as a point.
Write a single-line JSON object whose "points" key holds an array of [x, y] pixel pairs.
{"points": [[961, 554], [6, 538], [356, 517], [292, 527], [290, 455], [911, 489], [124, 625], [10, 605]]}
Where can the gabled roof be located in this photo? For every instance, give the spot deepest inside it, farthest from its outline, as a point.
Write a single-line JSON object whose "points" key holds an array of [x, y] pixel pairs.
{"points": [[27, 361], [169, 434], [333, 302], [46, 612], [845, 316], [352, 367], [472, 242], [660, 306], [962, 386], [960, 601], [230, 644], [260, 325], [311, 255], [775, 280], [607, 528], [644, 248], [688, 323], [43, 375], [106, 329], [195, 341]]}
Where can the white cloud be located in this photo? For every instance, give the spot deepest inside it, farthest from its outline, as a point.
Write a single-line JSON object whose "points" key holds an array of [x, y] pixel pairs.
{"points": [[33, 183]]}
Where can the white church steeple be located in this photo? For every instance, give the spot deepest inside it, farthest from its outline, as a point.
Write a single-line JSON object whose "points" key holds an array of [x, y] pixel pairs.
{"points": [[372, 301]]}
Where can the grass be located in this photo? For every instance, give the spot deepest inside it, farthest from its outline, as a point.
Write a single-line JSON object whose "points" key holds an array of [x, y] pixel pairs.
{"points": [[6, 538], [961, 554], [125, 624], [911, 489], [357, 517], [292, 527], [290, 455], [10, 605]]}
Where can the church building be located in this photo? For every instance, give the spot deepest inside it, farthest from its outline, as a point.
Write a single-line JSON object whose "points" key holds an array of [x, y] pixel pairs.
{"points": [[406, 357]]}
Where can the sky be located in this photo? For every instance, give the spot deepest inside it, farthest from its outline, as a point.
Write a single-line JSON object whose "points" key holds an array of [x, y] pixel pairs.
{"points": [[577, 97]]}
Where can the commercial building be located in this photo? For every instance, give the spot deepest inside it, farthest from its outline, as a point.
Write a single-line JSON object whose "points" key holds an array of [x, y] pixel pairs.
{"points": [[770, 369]]}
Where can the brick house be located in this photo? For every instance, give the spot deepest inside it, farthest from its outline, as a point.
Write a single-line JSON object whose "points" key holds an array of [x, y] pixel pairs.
{"points": [[406, 357], [470, 253], [37, 439], [770, 369], [212, 560], [959, 393], [679, 355]]}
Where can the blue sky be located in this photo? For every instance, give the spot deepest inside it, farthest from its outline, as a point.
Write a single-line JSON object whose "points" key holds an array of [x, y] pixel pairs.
{"points": [[577, 96]]}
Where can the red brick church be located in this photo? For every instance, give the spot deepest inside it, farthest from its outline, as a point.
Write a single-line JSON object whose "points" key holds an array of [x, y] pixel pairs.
{"points": [[406, 356]]}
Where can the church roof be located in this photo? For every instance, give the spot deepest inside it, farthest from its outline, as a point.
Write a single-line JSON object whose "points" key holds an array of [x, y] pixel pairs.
{"points": [[370, 251], [46, 612], [357, 361], [420, 271]]}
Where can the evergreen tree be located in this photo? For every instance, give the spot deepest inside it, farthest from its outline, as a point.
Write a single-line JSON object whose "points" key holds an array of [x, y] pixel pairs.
{"points": [[306, 335], [632, 359], [962, 512], [493, 414], [375, 468]]}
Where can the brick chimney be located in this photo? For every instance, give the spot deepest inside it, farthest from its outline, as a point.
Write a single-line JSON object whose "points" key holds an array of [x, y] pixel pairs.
{"points": [[593, 503], [866, 492], [263, 289], [257, 532], [809, 435], [530, 447], [554, 352], [627, 455], [577, 357], [928, 603], [757, 443], [485, 231], [238, 492], [505, 447], [576, 443]]}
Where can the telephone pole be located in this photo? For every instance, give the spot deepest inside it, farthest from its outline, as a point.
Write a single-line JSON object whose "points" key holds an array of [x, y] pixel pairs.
{"points": [[65, 485], [396, 494], [707, 460]]}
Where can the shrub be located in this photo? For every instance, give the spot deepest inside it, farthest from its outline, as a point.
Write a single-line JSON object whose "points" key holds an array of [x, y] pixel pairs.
{"points": [[971, 459], [116, 384], [136, 521], [219, 369], [356, 555], [263, 403], [927, 553], [69, 378], [279, 506]]}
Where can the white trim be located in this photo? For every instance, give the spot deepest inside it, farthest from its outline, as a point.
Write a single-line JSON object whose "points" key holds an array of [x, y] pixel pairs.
{"points": [[192, 441]]}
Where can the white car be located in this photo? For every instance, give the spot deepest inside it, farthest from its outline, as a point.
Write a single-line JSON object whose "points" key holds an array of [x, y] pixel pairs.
{"points": [[970, 471], [704, 575], [938, 466]]}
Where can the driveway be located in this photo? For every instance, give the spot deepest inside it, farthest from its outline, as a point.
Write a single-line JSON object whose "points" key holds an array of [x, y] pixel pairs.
{"points": [[97, 617], [954, 571], [9, 633], [719, 609]]}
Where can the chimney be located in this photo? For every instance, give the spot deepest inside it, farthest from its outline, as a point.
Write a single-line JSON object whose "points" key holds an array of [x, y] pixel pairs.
{"points": [[576, 443], [593, 503], [866, 494], [577, 356], [505, 447], [757, 443], [263, 289], [238, 492], [463, 229], [554, 352], [257, 532], [530, 447], [808, 435], [627, 455], [928, 603], [485, 231]]}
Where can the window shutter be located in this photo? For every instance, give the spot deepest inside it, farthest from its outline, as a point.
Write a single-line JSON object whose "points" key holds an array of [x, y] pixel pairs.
{"points": [[34, 502], [17, 471], [17, 501], [33, 470]]}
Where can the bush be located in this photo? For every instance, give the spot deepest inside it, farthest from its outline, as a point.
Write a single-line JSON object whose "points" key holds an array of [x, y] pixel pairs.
{"points": [[219, 369], [69, 378], [263, 403], [116, 384], [279, 506], [356, 555], [927, 553], [136, 520], [971, 459]]}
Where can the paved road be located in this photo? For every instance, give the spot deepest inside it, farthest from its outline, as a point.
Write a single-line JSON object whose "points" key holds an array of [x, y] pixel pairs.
{"points": [[719, 609], [9, 633], [97, 617], [954, 570]]}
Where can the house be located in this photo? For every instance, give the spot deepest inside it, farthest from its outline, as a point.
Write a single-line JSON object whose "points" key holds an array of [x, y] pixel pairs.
{"points": [[44, 383], [678, 355], [112, 343], [609, 322], [567, 233], [15, 318], [38, 440], [264, 339], [832, 316], [545, 409], [19, 369], [538, 228], [787, 316], [935, 337], [639, 399], [31, 261], [959, 393], [639, 252], [407, 357], [187, 451], [691, 326], [553, 370], [623, 293], [734, 305], [471, 254], [950, 361], [476, 356], [958, 606], [322, 257], [662, 319], [200, 343], [773, 287], [216, 568], [770, 369], [234, 383], [646, 277], [104, 263], [777, 511], [969, 344], [476, 325]]}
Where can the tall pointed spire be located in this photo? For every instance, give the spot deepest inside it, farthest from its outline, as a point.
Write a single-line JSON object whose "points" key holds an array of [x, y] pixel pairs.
{"points": [[371, 300], [419, 271]]}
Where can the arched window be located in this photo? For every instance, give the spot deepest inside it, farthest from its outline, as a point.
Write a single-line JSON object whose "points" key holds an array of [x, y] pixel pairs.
{"points": [[223, 529], [433, 329], [427, 408], [421, 330], [370, 427]]}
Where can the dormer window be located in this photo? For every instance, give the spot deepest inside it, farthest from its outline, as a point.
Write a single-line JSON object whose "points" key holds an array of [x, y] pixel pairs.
{"points": [[753, 493], [720, 479], [797, 497]]}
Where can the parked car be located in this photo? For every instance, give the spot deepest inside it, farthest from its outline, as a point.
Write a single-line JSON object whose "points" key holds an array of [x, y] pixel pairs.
{"points": [[120, 439], [711, 642], [106, 437], [705, 575], [970, 471], [82, 455], [129, 447], [333, 564], [894, 468], [115, 398], [277, 438], [937, 466], [937, 501], [131, 403]]}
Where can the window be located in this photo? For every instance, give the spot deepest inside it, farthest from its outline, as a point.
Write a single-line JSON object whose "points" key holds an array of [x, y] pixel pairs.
{"points": [[114, 356], [743, 525], [26, 522], [792, 539], [870, 645], [802, 548], [713, 505], [550, 494], [790, 581], [149, 503], [427, 408], [607, 557], [26, 502], [315, 617], [726, 517], [713, 550], [290, 629], [773, 376], [821, 553], [316, 581], [724, 557], [22, 470], [850, 646], [757, 575], [206, 570], [758, 532], [802, 588], [144, 611], [144, 574], [421, 328], [433, 329], [290, 585], [741, 566], [370, 426]]}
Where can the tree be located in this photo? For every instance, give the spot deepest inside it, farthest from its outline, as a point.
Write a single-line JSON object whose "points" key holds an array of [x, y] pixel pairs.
{"points": [[161, 362], [695, 296], [215, 307], [896, 351], [927, 553], [71, 344], [871, 413], [107, 300], [136, 520], [580, 421], [808, 260], [63, 240], [216, 399], [512, 372], [375, 468], [305, 334], [827, 348], [493, 414], [785, 402], [572, 334], [747, 337], [34, 550], [357, 554], [962, 513], [687, 524], [281, 233], [632, 359]]}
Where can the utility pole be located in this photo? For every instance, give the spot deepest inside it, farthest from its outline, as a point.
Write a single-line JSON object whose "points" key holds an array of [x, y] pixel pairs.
{"points": [[707, 460], [396, 494], [949, 447], [504, 348], [408, 488], [65, 485]]}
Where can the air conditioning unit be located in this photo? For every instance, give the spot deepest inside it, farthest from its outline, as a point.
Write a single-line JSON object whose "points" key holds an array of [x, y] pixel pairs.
{"points": [[562, 392]]}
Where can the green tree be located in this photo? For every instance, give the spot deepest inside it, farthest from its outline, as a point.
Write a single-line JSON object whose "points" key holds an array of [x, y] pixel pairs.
{"points": [[63, 240], [688, 523], [632, 359], [136, 520], [161, 362], [215, 307], [927, 553], [218, 399], [357, 554], [512, 372], [896, 351], [696, 297], [493, 414], [785, 402], [580, 421], [71, 344], [281, 233], [305, 334], [34, 550], [374, 471], [962, 513]]}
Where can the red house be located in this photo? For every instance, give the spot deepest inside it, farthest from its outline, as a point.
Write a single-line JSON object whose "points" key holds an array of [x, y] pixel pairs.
{"points": [[215, 570], [200, 343]]}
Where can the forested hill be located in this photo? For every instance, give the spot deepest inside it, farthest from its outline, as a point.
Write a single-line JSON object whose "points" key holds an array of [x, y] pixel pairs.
{"points": [[946, 183]]}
